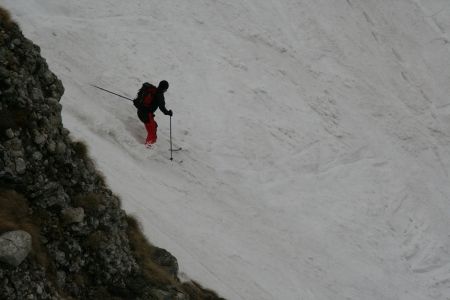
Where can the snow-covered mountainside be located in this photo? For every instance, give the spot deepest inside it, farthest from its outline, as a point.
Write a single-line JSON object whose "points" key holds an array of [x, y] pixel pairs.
{"points": [[316, 136]]}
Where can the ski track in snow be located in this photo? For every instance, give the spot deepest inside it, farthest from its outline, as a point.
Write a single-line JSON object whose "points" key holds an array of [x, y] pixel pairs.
{"points": [[315, 135]]}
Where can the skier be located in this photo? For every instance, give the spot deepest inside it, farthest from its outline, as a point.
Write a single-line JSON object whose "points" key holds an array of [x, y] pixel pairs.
{"points": [[148, 100]]}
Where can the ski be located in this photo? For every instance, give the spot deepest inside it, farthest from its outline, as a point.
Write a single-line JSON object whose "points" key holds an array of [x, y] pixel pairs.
{"points": [[176, 149]]}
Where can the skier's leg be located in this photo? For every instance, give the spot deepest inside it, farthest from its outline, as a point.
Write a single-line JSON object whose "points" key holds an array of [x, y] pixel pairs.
{"points": [[151, 130], [154, 127], [148, 128]]}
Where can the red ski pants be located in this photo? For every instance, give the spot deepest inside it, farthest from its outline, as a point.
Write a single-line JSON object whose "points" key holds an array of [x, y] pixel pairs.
{"points": [[151, 127]]}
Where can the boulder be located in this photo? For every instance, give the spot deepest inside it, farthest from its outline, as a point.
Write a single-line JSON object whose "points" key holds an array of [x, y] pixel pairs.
{"points": [[14, 247], [166, 260]]}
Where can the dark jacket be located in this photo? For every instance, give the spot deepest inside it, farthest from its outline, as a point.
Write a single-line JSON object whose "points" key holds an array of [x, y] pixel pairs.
{"points": [[158, 101]]}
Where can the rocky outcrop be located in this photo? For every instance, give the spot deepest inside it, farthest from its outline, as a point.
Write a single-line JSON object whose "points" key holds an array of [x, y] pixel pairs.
{"points": [[54, 201]]}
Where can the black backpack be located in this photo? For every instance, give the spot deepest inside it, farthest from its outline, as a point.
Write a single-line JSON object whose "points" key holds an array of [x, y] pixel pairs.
{"points": [[143, 100]]}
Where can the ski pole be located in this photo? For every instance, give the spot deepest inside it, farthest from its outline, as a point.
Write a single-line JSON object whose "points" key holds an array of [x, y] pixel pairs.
{"points": [[171, 158], [111, 92]]}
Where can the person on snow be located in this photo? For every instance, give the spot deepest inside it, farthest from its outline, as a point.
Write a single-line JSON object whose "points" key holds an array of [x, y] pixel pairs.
{"points": [[148, 100]]}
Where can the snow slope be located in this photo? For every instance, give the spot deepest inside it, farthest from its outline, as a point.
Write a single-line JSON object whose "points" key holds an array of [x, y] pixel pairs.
{"points": [[317, 136]]}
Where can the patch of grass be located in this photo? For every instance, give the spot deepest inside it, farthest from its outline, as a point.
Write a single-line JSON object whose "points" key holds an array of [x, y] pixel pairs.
{"points": [[196, 291], [6, 120], [154, 273], [5, 17], [142, 251], [81, 149], [13, 209], [102, 292], [101, 179], [79, 279], [90, 202], [13, 119], [96, 240], [21, 117], [15, 215]]}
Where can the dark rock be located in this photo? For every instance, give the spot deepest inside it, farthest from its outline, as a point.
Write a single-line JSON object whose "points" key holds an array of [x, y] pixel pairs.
{"points": [[166, 260], [51, 147], [37, 155], [73, 215], [14, 247], [20, 166], [60, 148], [39, 138], [9, 133]]}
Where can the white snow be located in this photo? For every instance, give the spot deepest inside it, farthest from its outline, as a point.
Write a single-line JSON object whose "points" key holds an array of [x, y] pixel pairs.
{"points": [[317, 136]]}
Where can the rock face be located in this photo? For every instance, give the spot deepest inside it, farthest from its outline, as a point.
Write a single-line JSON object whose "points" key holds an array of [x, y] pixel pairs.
{"points": [[82, 245], [14, 247]]}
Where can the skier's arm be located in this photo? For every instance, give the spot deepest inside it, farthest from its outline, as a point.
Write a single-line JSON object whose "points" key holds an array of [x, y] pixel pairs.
{"points": [[162, 107]]}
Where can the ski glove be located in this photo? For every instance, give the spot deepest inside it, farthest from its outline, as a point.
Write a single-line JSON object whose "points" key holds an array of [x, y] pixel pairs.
{"points": [[170, 113]]}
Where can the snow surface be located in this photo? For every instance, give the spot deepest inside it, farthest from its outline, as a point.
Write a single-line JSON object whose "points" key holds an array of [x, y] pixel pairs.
{"points": [[317, 136]]}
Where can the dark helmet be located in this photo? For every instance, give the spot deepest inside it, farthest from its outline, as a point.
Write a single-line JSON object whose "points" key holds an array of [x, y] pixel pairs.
{"points": [[163, 85]]}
